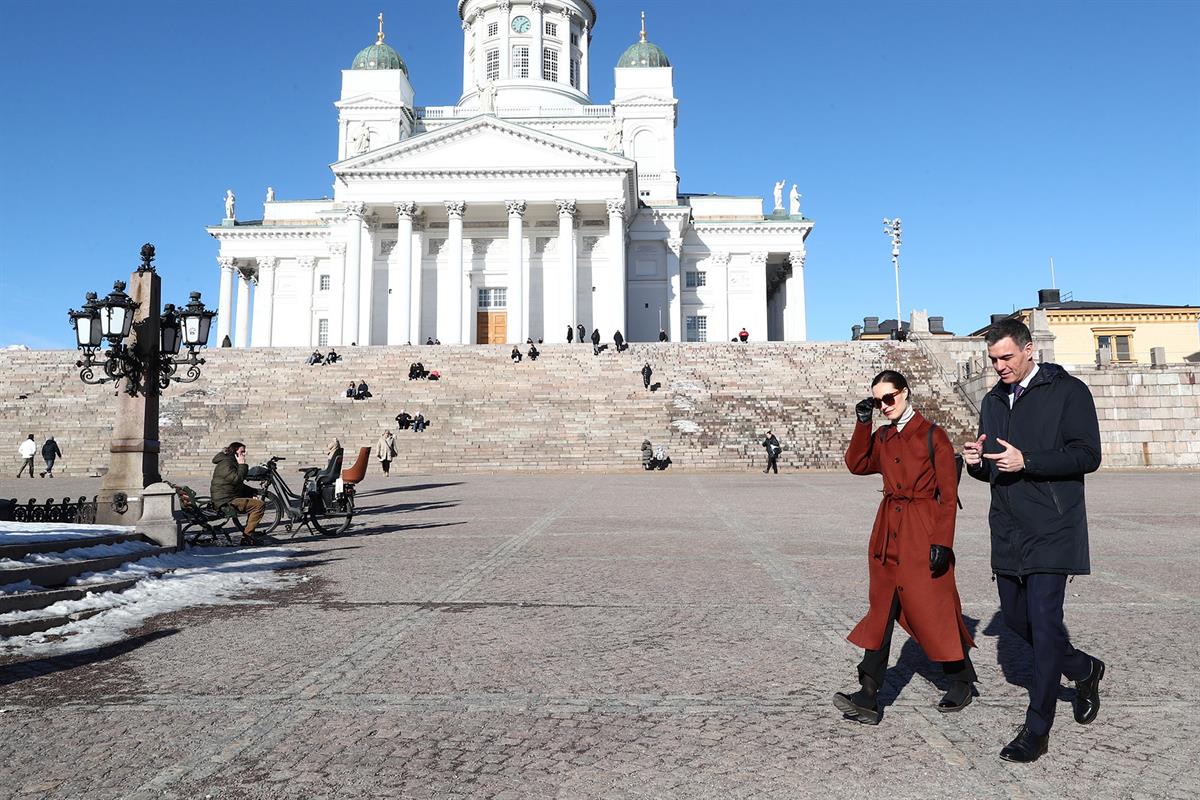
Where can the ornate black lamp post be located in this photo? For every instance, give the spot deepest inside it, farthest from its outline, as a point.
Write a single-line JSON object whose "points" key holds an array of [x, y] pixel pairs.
{"points": [[141, 346], [111, 321]]}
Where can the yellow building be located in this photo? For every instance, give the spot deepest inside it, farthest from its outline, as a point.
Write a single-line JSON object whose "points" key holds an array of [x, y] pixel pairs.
{"points": [[1128, 330]]}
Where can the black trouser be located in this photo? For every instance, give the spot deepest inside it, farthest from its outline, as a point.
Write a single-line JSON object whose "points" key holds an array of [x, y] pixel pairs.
{"points": [[1033, 607], [772, 463], [27, 464], [874, 662]]}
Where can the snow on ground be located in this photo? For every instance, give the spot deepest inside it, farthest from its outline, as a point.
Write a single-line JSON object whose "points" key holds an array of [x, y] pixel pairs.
{"points": [[686, 426], [76, 554], [197, 577], [27, 532]]}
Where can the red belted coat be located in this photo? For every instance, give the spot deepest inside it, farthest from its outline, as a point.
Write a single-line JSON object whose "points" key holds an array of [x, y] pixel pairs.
{"points": [[909, 520]]}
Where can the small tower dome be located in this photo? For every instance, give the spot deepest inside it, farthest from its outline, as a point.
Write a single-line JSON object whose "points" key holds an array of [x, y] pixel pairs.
{"points": [[379, 55], [643, 53]]}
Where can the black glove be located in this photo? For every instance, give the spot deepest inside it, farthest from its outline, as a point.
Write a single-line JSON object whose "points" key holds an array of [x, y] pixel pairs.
{"points": [[940, 559], [865, 409]]}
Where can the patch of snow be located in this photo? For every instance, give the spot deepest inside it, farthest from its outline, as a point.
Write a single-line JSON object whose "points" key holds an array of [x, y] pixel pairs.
{"points": [[76, 554], [686, 426], [28, 532], [22, 586], [684, 403], [211, 576]]}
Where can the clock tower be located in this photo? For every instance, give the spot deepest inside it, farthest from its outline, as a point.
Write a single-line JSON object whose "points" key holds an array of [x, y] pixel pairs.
{"points": [[521, 53]]}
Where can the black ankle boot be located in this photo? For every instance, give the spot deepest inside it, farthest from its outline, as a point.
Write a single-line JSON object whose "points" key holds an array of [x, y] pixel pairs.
{"points": [[957, 698], [861, 706]]}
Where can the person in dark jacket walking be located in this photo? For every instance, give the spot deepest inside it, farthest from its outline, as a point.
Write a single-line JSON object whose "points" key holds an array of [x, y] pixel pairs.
{"points": [[619, 341], [227, 488], [646, 373], [771, 443], [50, 452], [570, 334], [582, 333], [1038, 437]]}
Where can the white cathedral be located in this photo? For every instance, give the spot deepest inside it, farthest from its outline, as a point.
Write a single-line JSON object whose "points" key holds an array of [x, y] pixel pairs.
{"points": [[517, 212]]}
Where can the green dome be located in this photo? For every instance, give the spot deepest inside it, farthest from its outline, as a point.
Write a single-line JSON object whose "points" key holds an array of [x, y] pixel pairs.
{"points": [[378, 56], [643, 54]]}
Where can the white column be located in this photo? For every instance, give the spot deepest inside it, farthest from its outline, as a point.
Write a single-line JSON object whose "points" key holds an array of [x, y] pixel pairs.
{"points": [[416, 297], [535, 58], [674, 290], [399, 325], [480, 29], [566, 266], [241, 336], [505, 42], [225, 300], [518, 287], [450, 279], [795, 322], [351, 282], [466, 26], [617, 279], [337, 277], [301, 331], [264, 301], [756, 322], [366, 282], [585, 35], [564, 55]]}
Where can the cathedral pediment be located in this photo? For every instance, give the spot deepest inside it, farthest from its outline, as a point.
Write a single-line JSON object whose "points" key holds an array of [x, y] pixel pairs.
{"points": [[367, 101], [482, 144]]}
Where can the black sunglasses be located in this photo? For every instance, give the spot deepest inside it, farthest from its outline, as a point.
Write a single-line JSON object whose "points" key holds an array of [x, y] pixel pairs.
{"points": [[886, 400]]}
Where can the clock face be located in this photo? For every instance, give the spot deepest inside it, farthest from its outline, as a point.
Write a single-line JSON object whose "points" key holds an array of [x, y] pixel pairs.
{"points": [[521, 24]]}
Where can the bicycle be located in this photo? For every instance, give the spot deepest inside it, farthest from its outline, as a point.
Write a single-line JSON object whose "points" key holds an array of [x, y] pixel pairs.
{"points": [[324, 503]]}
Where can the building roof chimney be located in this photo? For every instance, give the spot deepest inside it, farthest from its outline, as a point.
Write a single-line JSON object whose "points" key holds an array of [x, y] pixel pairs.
{"points": [[1049, 297]]}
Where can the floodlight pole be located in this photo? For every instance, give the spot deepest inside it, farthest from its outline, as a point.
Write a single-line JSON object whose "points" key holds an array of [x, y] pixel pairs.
{"points": [[891, 227]]}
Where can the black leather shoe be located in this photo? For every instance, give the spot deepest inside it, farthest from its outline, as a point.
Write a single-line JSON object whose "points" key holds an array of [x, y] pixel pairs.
{"points": [[859, 707], [957, 698], [1087, 694], [1026, 748]]}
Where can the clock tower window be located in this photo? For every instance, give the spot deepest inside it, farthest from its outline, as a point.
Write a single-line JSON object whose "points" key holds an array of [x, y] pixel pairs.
{"points": [[493, 29], [551, 29], [520, 61], [550, 64], [492, 65]]}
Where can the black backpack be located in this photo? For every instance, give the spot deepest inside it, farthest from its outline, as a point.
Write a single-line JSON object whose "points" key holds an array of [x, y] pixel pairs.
{"points": [[958, 466]]}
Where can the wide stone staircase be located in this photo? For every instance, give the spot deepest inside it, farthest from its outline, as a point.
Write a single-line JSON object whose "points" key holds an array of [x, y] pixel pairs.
{"points": [[569, 410]]}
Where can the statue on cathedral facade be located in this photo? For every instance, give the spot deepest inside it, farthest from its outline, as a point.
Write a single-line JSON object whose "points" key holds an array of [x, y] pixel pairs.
{"points": [[615, 135], [794, 202], [779, 195], [230, 201], [487, 98], [270, 194]]}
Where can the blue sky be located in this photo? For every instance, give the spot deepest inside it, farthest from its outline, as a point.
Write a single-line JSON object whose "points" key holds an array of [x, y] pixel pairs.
{"points": [[1002, 134]]}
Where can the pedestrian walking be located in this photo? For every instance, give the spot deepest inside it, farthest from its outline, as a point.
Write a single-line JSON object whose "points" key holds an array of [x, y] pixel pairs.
{"points": [[619, 341], [27, 450], [1038, 437], [773, 448], [646, 373], [50, 452], [570, 334], [385, 450], [582, 332], [910, 554]]}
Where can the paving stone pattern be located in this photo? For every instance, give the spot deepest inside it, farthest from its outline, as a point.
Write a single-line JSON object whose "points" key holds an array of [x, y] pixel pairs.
{"points": [[664, 635]]}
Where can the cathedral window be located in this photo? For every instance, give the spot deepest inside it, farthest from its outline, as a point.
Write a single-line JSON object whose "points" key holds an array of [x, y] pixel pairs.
{"points": [[575, 39], [493, 298], [550, 64], [493, 29], [322, 333], [697, 329], [520, 62], [696, 279], [551, 29], [575, 72], [323, 283], [492, 65]]}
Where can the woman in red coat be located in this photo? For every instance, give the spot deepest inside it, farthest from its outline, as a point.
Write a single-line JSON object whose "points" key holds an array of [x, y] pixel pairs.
{"points": [[911, 560]]}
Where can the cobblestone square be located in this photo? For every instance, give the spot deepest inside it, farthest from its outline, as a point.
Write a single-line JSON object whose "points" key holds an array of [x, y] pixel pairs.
{"points": [[659, 635]]}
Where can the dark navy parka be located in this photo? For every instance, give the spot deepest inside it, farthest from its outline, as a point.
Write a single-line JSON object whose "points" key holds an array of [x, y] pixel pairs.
{"points": [[1038, 516]]}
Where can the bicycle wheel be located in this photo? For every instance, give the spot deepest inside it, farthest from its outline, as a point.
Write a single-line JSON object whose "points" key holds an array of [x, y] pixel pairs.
{"points": [[271, 515], [335, 519]]}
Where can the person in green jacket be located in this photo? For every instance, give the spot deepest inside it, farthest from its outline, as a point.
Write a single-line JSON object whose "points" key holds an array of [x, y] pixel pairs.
{"points": [[228, 488]]}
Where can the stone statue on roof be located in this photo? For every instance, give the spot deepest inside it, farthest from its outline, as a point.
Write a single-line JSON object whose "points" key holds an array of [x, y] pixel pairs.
{"points": [[270, 194], [794, 202], [230, 202], [487, 98], [362, 142], [779, 195], [615, 136]]}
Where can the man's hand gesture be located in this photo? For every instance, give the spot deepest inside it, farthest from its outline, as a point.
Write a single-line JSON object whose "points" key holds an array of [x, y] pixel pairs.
{"points": [[972, 452], [1010, 460]]}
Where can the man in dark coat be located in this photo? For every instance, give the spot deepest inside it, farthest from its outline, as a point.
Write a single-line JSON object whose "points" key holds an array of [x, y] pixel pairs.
{"points": [[582, 333], [662, 334], [227, 488], [646, 373], [771, 443], [1038, 437], [570, 334], [619, 341], [50, 452]]}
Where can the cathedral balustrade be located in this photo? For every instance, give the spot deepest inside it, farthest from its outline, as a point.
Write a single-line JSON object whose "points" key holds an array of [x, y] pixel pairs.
{"points": [[461, 112]]}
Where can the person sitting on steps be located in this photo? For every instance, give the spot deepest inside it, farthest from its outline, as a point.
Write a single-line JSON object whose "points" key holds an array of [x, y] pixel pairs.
{"points": [[534, 352], [333, 357], [403, 420], [362, 392], [316, 358], [515, 355]]}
